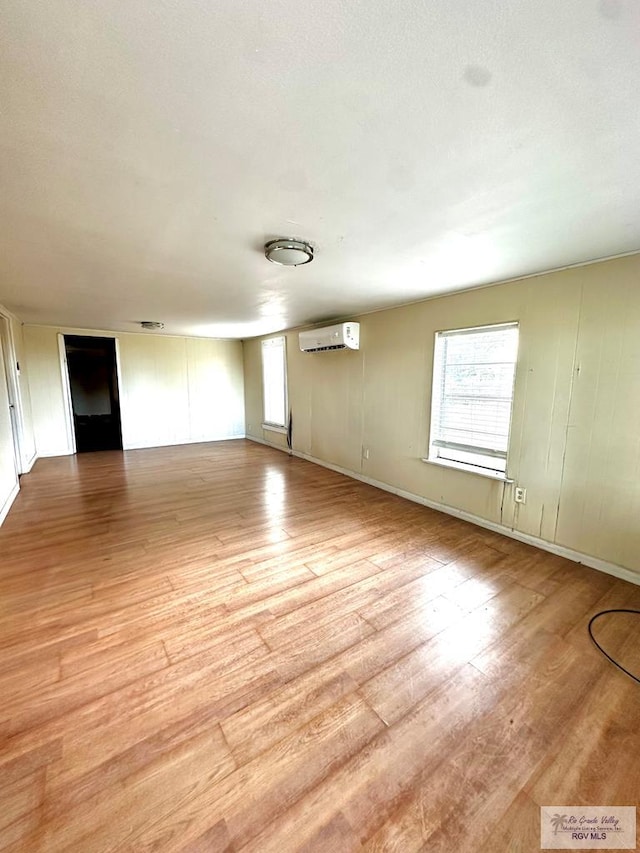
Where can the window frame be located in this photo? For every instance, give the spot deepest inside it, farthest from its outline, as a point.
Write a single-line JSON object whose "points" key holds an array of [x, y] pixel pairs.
{"points": [[468, 464], [266, 424]]}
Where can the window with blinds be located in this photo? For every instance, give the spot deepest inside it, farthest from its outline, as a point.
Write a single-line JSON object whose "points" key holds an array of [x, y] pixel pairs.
{"points": [[473, 377], [274, 382]]}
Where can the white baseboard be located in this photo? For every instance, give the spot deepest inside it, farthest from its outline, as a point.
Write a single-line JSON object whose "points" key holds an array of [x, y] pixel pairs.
{"points": [[67, 452], [30, 463], [576, 556], [4, 509], [181, 443], [278, 447]]}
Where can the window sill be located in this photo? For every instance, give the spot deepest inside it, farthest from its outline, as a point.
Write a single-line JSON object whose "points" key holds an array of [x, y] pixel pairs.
{"points": [[470, 469], [275, 428]]}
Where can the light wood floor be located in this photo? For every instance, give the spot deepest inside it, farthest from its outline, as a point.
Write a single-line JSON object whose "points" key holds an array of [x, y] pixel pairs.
{"points": [[222, 648]]}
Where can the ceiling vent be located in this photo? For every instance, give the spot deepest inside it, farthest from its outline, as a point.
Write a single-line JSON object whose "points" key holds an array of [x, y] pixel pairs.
{"points": [[151, 324]]}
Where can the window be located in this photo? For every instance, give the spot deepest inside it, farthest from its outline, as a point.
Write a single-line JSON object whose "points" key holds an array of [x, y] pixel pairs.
{"points": [[473, 376], [274, 382]]}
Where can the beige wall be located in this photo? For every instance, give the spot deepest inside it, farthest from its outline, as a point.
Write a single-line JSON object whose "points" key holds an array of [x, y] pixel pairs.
{"points": [[575, 441], [173, 390]]}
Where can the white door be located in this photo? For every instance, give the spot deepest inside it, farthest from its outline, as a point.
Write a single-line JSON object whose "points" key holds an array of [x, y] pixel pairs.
{"points": [[10, 380], [8, 472]]}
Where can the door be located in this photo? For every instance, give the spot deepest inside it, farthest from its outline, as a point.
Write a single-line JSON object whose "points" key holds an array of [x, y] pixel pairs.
{"points": [[9, 378], [8, 470], [93, 383]]}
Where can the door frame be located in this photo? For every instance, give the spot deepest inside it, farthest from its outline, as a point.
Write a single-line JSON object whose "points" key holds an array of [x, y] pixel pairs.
{"points": [[10, 365], [66, 395], [66, 385]]}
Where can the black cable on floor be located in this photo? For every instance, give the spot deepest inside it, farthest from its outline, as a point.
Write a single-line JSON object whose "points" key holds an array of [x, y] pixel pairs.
{"points": [[597, 644]]}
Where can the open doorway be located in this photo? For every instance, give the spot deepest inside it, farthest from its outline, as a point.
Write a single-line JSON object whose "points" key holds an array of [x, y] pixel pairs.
{"points": [[93, 384]]}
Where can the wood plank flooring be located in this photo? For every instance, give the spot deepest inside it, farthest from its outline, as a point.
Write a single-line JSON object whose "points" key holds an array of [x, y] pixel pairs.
{"points": [[218, 647]]}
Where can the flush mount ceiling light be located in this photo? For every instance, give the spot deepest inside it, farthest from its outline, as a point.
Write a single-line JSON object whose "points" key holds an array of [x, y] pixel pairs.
{"points": [[151, 324], [288, 253]]}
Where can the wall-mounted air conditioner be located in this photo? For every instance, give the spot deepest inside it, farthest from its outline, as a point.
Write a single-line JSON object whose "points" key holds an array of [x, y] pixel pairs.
{"points": [[342, 336]]}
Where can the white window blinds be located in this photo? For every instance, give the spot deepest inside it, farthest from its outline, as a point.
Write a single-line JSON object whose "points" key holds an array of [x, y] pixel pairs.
{"points": [[472, 394], [274, 384]]}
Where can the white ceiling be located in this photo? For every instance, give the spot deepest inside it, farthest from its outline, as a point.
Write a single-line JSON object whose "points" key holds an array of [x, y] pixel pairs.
{"points": [[149, 149]]}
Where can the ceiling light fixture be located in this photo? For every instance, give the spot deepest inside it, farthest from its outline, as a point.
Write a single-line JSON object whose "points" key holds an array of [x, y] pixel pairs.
{"points": [[288, 253], [151, 324]]}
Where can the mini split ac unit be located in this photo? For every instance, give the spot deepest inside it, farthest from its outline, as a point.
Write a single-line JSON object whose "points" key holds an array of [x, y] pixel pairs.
{"points": [[342, 336]]}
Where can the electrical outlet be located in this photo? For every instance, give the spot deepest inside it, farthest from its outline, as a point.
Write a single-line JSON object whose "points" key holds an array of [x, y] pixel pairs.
{"points": [[365, 452], [520, 495]]}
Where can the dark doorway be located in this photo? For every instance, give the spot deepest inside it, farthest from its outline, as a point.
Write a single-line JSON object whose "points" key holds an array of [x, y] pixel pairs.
{"points": [[93, 380]]}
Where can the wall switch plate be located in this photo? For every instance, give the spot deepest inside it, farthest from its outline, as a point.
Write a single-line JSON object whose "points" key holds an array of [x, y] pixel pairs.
{"points": [[520, 495]]}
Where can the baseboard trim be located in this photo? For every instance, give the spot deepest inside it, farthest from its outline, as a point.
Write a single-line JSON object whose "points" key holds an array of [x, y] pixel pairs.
{"points": [[30, 464], [68, 452], [576, 556], [184, 443], [13, 494], [280, 447]]}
